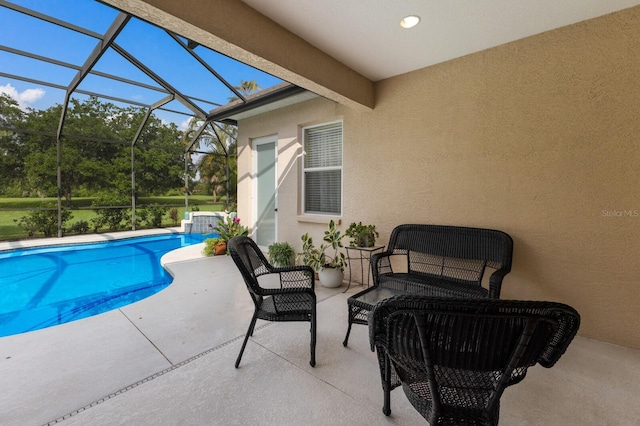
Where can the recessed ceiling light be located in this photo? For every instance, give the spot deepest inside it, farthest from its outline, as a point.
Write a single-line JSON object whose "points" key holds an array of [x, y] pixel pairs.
{"points": [[410, 21]]}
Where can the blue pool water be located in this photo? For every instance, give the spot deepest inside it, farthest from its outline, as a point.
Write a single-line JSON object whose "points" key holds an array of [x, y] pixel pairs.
{"points": [[47, 286]]}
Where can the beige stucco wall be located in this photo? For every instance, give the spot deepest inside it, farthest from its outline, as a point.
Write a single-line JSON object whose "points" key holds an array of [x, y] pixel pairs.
{"points": [[539, 138]]}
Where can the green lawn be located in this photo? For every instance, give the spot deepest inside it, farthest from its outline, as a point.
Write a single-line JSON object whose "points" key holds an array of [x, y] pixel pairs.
{"points": [[12, 209]]}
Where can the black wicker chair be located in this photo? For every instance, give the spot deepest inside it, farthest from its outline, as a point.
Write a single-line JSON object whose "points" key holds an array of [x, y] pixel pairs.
{"points": [[455, 357], [294, 300]]}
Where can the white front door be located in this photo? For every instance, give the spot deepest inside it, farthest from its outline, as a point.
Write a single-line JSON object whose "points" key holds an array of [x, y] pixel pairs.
{"points": [[265, 205]]}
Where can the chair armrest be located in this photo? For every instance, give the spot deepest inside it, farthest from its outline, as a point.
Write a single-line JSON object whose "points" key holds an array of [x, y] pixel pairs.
{"points": [[381, 265], [495, 282], [290, 290]]}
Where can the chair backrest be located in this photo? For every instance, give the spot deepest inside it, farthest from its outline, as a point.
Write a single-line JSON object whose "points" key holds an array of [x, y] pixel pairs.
{"points": [[456, 252], [468, 350], [250, 261]]}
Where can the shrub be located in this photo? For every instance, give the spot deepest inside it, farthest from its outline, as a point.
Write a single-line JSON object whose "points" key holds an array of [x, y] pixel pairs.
{"points": [[156, 212], [142, 216], [110, 212], [28, 224], [11, 188], [80, 227], [44, 220]]}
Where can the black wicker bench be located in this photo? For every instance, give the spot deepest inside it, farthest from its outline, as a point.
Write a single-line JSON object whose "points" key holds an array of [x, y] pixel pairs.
{"points": [[435, 260]]}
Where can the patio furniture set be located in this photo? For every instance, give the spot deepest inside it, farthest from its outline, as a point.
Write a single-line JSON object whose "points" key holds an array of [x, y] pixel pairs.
{"points": [[451, 343]]}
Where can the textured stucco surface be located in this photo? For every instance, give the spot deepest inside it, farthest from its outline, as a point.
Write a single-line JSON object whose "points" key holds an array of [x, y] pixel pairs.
{"points": [[538, 138]]}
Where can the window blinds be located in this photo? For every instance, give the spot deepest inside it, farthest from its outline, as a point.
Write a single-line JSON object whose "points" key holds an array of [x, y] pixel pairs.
{"points": [[323, 169]]}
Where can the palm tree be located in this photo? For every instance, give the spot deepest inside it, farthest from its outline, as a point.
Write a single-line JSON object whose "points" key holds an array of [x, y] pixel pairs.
{"points": [[187, 137], [218, 167], [211, 139], [246, 88]]}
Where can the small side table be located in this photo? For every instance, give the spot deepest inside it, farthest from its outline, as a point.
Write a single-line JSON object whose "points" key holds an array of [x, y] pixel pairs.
{"points": [[361, 254], [361, 303]]}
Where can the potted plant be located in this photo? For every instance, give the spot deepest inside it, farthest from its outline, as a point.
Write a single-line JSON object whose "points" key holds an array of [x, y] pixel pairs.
{"points": [[213, 247], [330, 267], [281, 254], [226, 229], [362, 235]]}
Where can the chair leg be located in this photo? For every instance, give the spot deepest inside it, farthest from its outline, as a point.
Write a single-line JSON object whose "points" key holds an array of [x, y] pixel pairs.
{"points": [[246, 337], [346, 338], [313, 337], [386, 386]]}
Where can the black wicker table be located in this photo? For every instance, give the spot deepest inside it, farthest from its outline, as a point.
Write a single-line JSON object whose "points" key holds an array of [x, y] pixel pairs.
{"points": [[360, 304]]}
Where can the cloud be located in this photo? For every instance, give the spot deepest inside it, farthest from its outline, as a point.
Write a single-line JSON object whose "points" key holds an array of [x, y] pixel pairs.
{"points": [[29, 96], [185, 124], [24, 98]]}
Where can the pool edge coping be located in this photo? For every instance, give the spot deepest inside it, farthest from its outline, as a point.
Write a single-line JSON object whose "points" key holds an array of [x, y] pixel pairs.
{"points": [[84, 239]]}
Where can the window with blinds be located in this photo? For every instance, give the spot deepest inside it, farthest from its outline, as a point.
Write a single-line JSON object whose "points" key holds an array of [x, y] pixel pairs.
{"points": [[322, 170]]}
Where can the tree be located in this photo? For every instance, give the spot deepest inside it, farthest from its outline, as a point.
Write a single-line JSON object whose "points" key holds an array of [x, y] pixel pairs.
{"points": [[39, 154], [213, 165], [159, 158], [86, 162], [187, 139], [220, 143], [223, 152], [11, 147], [96, 151], [246, 88], [220, 140]]}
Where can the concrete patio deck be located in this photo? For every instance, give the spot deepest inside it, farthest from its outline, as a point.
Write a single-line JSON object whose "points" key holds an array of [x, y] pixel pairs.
{"points": [[169, 360]]}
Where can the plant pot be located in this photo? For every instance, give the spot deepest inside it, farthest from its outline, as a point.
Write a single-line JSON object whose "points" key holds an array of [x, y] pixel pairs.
{"points": [[221, 248], [330, 277]]}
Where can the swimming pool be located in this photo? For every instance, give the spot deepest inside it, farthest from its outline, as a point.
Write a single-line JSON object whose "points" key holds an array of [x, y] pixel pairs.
{"points": [[47, 286]]}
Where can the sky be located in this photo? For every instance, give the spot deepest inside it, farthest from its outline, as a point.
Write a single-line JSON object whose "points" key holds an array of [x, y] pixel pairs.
{"points": [[150, 45]]}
